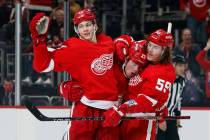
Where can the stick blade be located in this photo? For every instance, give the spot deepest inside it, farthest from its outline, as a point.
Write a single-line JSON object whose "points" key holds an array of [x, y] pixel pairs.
{"points": [[34, 111]]}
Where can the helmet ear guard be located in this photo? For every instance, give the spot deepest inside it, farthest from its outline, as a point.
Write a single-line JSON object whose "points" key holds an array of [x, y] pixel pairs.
{"points": [[75, 29], [95, 28]]}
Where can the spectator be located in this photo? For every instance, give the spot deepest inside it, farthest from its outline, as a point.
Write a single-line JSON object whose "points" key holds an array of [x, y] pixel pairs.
{"points": [[192, 92], [8, 97], [168, 130], [89, 3], [74, 7], [57, 23], [197, 11], [5, 10], [189, 49], [8, 29], [205, 64]]}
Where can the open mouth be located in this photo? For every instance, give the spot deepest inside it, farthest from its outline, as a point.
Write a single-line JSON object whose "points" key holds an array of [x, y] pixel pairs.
{"points": [[133, 74], [86, 34]]}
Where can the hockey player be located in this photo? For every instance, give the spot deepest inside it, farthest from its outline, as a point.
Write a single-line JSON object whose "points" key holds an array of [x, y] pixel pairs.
{"points": [[168, 130], [148, 91], [132, 63], [89, 60]]}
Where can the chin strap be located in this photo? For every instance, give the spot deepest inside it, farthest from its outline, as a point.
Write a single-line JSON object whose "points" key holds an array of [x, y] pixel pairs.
{"points": [[94, 39], [123, 69]]}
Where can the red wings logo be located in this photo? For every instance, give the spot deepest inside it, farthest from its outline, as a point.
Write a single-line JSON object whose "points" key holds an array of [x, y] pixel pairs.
{"points": [[100, 65], [135, 80], [199, 3]]}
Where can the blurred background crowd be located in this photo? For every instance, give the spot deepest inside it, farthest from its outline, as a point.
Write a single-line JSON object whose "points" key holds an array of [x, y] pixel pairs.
{"points": [[191, 28]]}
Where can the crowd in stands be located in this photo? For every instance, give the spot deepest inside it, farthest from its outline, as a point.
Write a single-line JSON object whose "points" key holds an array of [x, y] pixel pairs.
{"points": [[194, 33]]}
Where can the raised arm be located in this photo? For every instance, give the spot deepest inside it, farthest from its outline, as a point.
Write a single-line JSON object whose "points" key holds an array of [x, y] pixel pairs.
{"points": [[44, 60], [200, 58], [39, 30]]}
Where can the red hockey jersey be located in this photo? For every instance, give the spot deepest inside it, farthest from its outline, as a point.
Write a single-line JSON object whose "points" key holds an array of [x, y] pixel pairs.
{"points": [[153, 84], [198, 8], [91, 64]]}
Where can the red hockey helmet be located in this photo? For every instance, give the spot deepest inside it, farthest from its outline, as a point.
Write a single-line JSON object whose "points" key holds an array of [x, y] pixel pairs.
{"points": [[162, 38], [137, 54], [83, 15]]}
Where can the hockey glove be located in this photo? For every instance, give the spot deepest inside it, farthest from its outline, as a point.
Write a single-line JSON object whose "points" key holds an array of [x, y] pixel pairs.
{"points": [[121, 45], [142, 103], [114, 114], [71, 91], [161, 114], [39, 27], [112, 117]]}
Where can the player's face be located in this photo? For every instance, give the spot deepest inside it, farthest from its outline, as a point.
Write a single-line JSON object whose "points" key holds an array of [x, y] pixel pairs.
{"points": [[131, 69], [86, 30], [154, 52], [180, 69]]}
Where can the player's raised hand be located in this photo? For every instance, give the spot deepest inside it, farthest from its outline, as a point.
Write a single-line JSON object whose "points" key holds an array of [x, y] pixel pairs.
{"points": [[121, 45], [39, 27]]}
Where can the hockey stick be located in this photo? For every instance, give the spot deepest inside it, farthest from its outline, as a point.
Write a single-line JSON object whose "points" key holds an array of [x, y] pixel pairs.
{"points": [[42, 117], [169, 27], [35, 111]]}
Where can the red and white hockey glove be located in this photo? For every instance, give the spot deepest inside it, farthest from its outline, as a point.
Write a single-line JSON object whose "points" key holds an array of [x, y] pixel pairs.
{"points": [[39, 28], [112, 117], [114, 114], [121, 45], [141, 104], [71, 91]]}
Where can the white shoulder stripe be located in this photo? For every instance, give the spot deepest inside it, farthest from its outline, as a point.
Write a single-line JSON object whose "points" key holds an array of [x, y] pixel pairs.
{"points": [[50, 66]]}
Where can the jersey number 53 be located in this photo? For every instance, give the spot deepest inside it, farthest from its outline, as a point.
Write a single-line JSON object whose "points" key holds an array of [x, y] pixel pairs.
{"points": [[162, 85]]}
